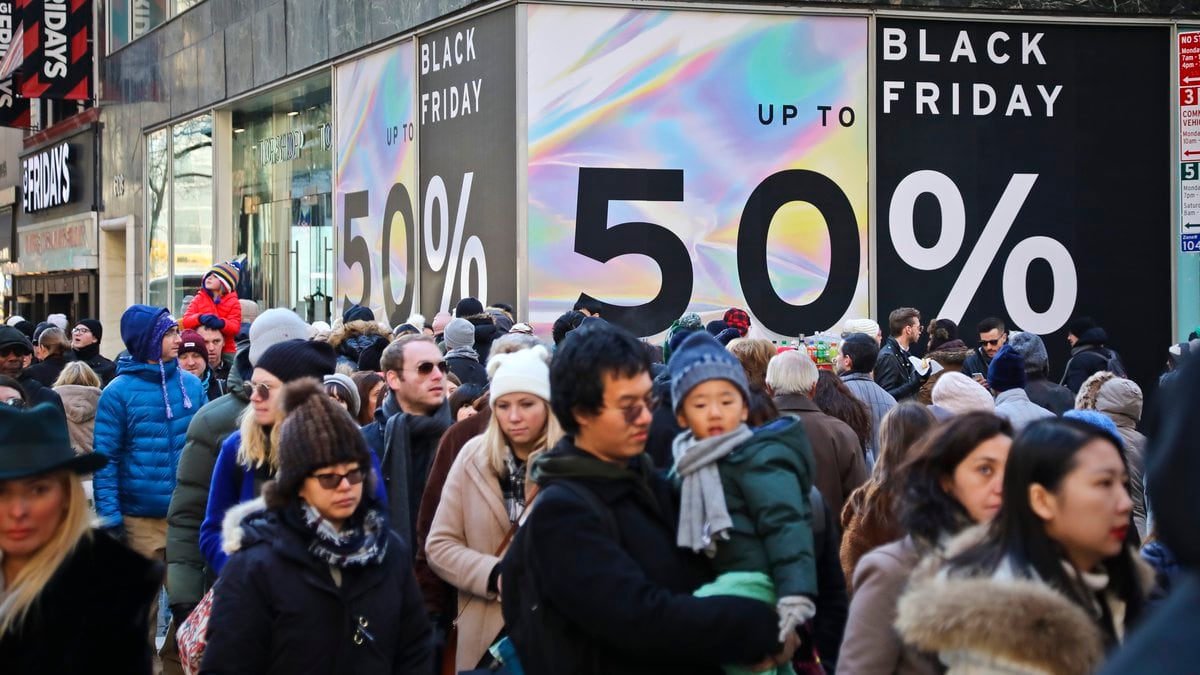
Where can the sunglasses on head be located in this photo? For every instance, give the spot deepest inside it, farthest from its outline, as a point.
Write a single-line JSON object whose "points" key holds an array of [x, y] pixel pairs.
{"points": [[330, 481], [426, 367]]}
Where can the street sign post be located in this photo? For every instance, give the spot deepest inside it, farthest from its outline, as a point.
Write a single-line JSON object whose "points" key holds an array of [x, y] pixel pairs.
{"points": [[1189, 141]]}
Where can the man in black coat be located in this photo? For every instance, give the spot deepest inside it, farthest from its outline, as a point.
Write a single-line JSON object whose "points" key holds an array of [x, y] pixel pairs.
{"points": [[893, 371], [1090, 354], [15, 348], [409, 425], [85, 347], [993, 335], [594, 581]]}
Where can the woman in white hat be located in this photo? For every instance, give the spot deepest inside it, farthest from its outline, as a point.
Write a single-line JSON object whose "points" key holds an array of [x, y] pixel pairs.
{"points": [[71, 601], [487, 494]]}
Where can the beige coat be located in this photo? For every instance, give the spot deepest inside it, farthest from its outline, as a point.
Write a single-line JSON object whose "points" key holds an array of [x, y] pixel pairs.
{"points": [[470, 524], [80, 403]]}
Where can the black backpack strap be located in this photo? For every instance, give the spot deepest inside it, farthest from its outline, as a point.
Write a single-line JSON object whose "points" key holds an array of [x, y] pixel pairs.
{"points": [[598, 507]]}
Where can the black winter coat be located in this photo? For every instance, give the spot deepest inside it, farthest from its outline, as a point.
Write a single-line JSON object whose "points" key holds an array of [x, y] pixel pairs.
{"points": [[977, 363], [90, 355], [91, 617], [1088, 356], [47, 371], [895, 373], [623, 605], [1053, 397], [468, 370], [276, 609]]}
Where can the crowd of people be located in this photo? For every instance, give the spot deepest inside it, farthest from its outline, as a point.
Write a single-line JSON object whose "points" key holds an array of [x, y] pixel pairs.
{"points": [[460, 495]]}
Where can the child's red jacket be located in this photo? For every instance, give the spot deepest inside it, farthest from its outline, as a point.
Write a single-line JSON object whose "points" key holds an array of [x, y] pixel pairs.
{"points": [[228, 309]]}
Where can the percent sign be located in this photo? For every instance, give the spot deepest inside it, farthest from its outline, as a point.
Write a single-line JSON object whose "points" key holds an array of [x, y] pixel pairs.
{"points": [[950, 241], [472, 252]]}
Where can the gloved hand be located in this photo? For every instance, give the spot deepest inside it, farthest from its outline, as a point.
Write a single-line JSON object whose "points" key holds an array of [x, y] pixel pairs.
{"points": [[793, 611], [180, 612], [212, 321]]}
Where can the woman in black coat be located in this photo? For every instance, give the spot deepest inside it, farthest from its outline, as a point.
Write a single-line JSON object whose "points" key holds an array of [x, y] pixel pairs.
{"points": [[71, 601], [316, 581]]}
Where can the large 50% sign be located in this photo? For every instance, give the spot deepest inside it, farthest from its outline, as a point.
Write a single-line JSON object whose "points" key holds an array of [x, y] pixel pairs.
{"points": [[444, 247], [596, 240]]}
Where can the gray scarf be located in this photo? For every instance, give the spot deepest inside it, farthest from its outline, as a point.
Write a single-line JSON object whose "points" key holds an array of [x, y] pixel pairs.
{"points": [[463, 353], [703, 516]]}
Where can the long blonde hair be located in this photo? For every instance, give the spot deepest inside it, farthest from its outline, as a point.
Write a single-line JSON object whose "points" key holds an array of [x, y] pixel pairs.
{"points": [[498, 446], [33, 577], [258, 447]]}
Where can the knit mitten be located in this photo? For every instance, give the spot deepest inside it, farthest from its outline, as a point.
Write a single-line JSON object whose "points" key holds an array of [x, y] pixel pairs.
{"points": [[793, 611]]}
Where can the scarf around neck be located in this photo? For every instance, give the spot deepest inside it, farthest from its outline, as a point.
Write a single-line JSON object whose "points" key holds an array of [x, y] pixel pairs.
{"points": [[362, 541], [703, 514], [463, 353]]}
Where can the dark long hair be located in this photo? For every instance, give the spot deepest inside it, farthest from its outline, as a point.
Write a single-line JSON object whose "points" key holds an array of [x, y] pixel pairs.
{"points": [[900, 432], [926, 511], [1044, 453], [835, 399]]}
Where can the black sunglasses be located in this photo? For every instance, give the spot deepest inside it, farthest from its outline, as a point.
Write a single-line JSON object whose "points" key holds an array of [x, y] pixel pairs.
{"points": [[330, 481], [991, 343], [424, 368], [13, 349]]}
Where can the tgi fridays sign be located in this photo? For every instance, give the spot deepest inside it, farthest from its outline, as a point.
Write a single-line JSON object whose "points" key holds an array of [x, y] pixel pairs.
{"points": [[46, 178], [1189, 142]]}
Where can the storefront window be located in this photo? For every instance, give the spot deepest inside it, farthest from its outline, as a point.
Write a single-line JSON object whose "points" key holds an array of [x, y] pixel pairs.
{"points": [[158, 219], [282, 185], [179, 218], [129, 20]]}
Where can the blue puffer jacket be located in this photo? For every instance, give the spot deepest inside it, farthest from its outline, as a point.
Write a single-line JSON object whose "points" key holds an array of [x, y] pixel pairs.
{"points": [[134, 429]]}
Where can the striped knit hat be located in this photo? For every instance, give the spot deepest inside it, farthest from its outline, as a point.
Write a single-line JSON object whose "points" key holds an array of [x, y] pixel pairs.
{"points": [[228, 273]]}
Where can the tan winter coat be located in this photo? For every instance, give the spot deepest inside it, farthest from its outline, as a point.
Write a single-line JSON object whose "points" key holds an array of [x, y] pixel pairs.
{"points": [[1121, 401], [469, 526], [80, 403]]}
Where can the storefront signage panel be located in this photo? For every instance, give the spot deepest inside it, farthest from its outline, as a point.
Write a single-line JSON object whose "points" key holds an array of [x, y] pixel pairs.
{"points": [[688, 161], [376, 191], [1016, 178], [468, 137], [58, 246], [46, 179]]}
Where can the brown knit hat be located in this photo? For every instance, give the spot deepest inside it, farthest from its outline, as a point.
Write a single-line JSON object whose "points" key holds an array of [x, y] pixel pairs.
{"points": [[316, 432]]}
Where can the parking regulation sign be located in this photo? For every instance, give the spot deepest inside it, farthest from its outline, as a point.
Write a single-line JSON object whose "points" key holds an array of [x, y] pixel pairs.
{"points": [[1189, 141]]}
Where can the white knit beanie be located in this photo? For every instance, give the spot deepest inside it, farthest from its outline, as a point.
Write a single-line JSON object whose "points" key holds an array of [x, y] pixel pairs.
{"points": [[525, 371], [272, 327], [58, 320], [15, 319], [864, 326], [960, 394]]}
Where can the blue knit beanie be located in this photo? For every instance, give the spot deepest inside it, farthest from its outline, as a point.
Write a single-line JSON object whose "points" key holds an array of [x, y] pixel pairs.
{"points": [[1007, 370], [1096, 419], [701, 358]]}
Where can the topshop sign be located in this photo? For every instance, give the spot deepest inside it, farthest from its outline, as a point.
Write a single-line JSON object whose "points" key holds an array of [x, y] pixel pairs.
{"points": [[46, 179]]}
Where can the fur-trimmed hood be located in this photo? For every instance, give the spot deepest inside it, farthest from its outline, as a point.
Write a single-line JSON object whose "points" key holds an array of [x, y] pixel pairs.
{"points": [[950, 354], [356, 329], [233, 527]]}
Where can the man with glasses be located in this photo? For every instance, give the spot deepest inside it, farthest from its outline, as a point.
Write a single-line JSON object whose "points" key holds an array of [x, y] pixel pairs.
{"points": [[409, 425], [85, 346], [15, 350], [141, 425], [893, 369], [992, 336], [594, 581]]}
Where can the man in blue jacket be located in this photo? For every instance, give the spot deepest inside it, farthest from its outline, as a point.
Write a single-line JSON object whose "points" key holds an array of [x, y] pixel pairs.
{"points": [[141, 424]]}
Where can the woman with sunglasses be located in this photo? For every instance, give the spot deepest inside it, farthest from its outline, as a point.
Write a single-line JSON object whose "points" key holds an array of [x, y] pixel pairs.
{"points": [[951, 481], [487, 494], [1052, 583], [11, 392], [316, 581], [249, 457], [70, 601]]}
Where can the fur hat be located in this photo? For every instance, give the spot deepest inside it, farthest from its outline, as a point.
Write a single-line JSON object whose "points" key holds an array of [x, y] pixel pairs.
{"points": [[350, 391], [960, 394], [459, 333], [293, 359], [193, 342], [272, 327], [739, 319], [58, 320], [417, 320], [316, 432], [1007, 370], [1030, 346], [468, 307], [94, 326], [440, 320], [863, 326], [525, 370], [228, 273], [700, 358]]}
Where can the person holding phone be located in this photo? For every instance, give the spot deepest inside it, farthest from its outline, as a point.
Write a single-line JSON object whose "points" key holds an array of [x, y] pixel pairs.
{"points": [[992, 336]]}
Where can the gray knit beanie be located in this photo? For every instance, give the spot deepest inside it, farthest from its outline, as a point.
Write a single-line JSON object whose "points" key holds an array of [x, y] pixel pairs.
{"points": [[459, 333]]}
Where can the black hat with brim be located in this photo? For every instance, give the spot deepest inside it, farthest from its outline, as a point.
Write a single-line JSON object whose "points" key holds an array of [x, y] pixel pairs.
{"points": [[36, 442]]}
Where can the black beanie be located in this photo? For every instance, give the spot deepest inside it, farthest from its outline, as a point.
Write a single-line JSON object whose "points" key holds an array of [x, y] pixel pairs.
{"points": [[468, 307], [94, 326], [316, 432], [293, 359], [358, 313]]}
